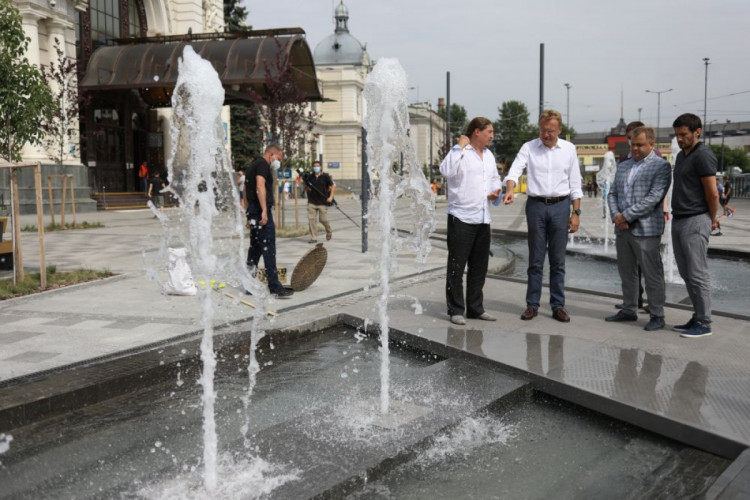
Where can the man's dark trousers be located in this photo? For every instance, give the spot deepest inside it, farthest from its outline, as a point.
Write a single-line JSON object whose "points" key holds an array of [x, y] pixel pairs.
{"points": [[467, 244], [547, 232], [263, 242]]}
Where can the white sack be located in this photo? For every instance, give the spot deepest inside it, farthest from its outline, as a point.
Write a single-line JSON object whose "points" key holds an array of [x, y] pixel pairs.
{"points": [[180, 280]]}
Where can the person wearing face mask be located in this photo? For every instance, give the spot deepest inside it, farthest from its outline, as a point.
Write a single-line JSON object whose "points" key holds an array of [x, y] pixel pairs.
{"points": [[258, 203], [320, 188]]}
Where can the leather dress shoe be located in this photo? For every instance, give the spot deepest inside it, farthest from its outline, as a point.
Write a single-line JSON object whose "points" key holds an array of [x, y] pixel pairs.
{"points": [[457, 319], [529, 313], [561, 315], [484, 317], [622, 315]]}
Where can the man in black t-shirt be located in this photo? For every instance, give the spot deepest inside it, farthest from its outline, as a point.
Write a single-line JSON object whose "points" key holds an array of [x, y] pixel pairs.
{"points": [[320, 189], [695, 213], [155, 186], [258, 203]]}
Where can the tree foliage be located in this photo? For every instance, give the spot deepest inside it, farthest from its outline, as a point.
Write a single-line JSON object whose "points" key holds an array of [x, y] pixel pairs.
{"points": [[286, 118], [458, 119], [61, 127], [247, 136], [733, 157], [234, 16], [512, 129], [24, 95]]}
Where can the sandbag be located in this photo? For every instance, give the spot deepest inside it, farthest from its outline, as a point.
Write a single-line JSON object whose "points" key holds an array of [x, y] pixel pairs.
{"points": [[180, 278]]}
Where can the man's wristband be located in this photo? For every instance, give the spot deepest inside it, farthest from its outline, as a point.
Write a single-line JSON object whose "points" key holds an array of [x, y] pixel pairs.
{"points": [[577, 211]]}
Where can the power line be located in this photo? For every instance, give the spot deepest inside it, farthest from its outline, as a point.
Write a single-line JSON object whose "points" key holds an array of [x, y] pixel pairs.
{"points": [[716, 97]]}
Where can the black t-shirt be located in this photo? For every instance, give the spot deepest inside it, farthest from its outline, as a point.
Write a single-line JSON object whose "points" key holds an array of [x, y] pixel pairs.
{"points": [[157, 184], [259, 167], [688, 197], [321, 183]]}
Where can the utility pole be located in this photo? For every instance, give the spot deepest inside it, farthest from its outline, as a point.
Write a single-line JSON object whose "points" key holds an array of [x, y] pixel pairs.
{"points": [[567, 109], [705, 91], [658, 107], [541, 78]]}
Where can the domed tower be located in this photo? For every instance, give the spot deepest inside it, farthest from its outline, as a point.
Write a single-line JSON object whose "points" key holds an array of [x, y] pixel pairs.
{"points": [[341, 47], [342, 64]]}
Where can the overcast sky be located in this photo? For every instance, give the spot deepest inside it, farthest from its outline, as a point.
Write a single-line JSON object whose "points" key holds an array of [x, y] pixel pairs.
{"points": [[491, 48]]}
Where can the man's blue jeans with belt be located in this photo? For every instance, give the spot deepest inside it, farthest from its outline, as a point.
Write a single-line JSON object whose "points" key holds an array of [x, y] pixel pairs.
{"points": [[548, 233]]}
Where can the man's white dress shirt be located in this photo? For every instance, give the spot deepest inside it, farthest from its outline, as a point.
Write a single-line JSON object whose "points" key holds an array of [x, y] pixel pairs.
{"points": [[552, 172], [470, 179]]}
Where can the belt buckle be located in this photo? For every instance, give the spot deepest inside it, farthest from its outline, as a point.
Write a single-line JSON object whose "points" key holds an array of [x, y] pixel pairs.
{"points": [[550, 201]]}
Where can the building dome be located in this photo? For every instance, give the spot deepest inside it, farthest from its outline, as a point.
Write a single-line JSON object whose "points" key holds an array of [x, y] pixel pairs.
{"points": [[340, 47]]}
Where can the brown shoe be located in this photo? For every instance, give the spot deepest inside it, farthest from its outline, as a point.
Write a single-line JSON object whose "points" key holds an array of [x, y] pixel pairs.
{"points": [[329, 236], [561, 315], [529, 313]]}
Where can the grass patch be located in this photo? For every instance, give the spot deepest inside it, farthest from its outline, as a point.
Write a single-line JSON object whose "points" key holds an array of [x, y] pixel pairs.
{"points": [[59, 227], [31, 281]]}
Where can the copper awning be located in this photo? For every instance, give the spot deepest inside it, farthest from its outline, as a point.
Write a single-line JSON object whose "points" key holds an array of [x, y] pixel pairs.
{"points": [[243, 62]]}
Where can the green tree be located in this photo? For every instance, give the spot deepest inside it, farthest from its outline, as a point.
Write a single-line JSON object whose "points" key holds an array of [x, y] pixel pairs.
{"points": [[61, 127], [25, 97], [247, 135], [458, 119], [234, 16], [512, 129], [733, 157]]}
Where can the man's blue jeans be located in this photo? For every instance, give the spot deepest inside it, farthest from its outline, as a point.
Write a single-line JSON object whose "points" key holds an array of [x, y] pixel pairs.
{"points": [[263, 243], [548, 233]]}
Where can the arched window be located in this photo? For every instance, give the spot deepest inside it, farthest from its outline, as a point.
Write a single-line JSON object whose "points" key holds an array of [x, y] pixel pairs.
{"points": [[105, 21]]}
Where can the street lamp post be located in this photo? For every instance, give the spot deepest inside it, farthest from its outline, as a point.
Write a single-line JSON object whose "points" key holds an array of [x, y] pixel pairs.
{"points": [[705, 90], [658, 108], [639, 113], [567, 110], [417, 89]]}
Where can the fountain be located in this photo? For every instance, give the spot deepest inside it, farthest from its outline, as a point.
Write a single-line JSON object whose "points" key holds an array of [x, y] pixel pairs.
{"points": [[667, 252], [387, 124], [604, 179], [464, 420], [209, 223]]}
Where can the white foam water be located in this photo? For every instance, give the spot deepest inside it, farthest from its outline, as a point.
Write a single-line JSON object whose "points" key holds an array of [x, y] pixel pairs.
{"points": [[209, 222], [237, 478], [387, 124]]}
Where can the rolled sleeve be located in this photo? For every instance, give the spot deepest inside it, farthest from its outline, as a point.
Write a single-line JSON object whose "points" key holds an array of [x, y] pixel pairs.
{"points": [[574, 176], [451, 162], [519, 164]]}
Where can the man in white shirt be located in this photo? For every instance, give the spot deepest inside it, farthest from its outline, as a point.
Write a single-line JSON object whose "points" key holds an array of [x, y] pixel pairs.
{"points": [[472, 182], [553, 185]]}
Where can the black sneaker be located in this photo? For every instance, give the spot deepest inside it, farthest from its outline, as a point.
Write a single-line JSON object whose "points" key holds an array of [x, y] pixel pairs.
{"points": [[655, 323], [686, 326], [622, 315], [283, 293]]}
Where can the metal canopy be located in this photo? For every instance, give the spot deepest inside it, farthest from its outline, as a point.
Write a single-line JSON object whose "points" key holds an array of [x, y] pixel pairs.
{"points": [[243, 61]]}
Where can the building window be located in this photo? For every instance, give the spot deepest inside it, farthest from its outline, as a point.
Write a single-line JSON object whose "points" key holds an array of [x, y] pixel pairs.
{"points": [[105, 21], [134, 19]]}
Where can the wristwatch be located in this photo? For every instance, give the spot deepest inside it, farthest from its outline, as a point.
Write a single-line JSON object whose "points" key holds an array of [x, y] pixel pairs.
{"points": [[577, 211]]}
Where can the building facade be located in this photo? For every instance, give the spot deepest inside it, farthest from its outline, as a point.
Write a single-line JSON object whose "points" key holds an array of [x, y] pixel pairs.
{"points": [[342, 65], [119, 130]]}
